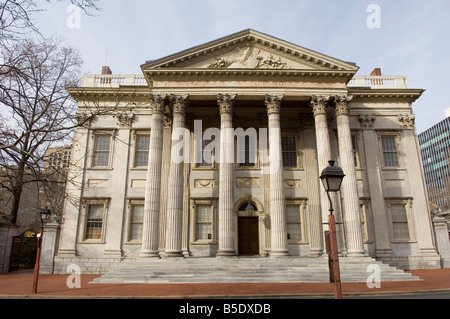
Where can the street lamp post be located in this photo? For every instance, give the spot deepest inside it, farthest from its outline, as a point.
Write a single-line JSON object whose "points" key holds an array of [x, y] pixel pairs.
{"points": [[332, 177], [44, 216]]}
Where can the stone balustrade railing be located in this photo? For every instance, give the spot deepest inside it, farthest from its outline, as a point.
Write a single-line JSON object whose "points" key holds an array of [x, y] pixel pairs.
{"points": [[379, 82], [373, 82], [114, 80]]}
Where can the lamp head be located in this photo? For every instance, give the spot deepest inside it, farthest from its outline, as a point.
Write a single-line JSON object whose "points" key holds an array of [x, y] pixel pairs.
{"points": [[332, 177]]}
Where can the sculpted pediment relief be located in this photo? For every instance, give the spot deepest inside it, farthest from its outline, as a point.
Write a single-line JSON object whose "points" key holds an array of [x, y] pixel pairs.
{"points": [[247, 57], [249, 49]]}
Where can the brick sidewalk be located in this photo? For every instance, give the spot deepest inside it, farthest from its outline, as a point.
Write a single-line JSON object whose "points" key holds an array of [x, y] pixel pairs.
{"points": [[19, 285]]}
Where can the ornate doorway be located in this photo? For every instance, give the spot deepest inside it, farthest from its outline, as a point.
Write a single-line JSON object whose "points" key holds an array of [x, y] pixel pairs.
{"points": [[248, 233]]}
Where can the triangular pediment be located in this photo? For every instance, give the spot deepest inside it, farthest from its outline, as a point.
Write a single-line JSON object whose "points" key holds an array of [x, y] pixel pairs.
{"points": [[249, 49]]}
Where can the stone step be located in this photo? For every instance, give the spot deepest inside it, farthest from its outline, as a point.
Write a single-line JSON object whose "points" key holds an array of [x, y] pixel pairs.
{"points": [[247, 269]]}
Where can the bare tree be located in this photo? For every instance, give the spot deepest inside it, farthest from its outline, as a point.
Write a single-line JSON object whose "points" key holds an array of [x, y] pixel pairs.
{"points": [[36, 110]]}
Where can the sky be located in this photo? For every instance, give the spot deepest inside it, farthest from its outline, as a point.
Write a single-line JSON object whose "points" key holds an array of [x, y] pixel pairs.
{"points": [[408, 38]]}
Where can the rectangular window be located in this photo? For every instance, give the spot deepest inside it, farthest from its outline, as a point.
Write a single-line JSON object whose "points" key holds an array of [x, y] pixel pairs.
{"points": [[400, 222], [102, 145], [355, 150], [247, 152], [94, 222], [142, 147], [137, 219], [203, 220], [363, 212], [294, 222], [390, 152], [289, 149], [207, 153]]}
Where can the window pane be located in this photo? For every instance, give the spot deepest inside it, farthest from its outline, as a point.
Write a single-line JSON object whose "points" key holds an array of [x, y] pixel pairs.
{"points": [[143, 142], [142, 147], [101, 150], [398, 213], [355, 150], [294, 228], [293, 213], [207, 154], [388, 143], [289, 149], [203, 229], [141, 158], [247, 152], [101, 158], [390, 159], [137, 218], [102, 142], [94, 222], [390, 155], [400, 221], [204, 213]]}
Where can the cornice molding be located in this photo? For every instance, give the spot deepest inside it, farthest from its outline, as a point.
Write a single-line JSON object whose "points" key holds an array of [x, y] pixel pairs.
{"points": [[407, 95]]}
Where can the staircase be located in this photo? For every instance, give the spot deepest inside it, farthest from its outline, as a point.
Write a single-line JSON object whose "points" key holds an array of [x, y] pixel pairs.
{"points": [[247, 269]]}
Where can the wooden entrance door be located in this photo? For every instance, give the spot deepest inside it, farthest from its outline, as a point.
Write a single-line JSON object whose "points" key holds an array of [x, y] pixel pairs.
{"points": [[248, 236]]}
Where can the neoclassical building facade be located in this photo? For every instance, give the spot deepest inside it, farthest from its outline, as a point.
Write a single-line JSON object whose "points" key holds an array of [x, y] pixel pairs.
{"points": [[217, 151]]}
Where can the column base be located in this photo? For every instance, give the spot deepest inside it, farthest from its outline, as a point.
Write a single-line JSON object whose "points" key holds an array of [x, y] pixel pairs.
{"points": [[315, 253], [356, 254], [171, 254], [279, 253], [226, 253], [149, 254]]}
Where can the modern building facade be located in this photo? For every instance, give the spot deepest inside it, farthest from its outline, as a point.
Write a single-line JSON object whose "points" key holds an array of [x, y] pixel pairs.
{"points": [[435, 150], [216, 151]]}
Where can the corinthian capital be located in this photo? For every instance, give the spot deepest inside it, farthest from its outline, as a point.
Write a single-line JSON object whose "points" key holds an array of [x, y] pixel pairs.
{"points": [[406, 120], [157, 103], [341, 103], [226, 102], [366, 120], [319, 104], [273, 103], [179, 103]]}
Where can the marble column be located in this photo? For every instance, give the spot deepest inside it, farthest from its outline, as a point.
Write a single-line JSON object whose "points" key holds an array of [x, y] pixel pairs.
{"points": [[277, 197], [173, 246], [153, 186], [349, 188], [226, 177], [319, 105]]}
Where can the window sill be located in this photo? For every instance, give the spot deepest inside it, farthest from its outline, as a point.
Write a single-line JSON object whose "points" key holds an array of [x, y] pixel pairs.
{"points": [[93, 241]]}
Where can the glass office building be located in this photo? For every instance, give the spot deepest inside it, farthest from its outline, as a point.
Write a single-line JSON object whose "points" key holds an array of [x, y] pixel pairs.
{"points": [[435, 149]]}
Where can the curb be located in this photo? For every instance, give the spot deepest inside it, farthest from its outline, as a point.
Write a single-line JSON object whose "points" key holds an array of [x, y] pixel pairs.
{"points": [[231, 296]]}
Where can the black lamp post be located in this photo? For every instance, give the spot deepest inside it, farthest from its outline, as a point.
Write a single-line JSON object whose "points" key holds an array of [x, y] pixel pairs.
{"points": [[44, 215], [332, 177]]}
